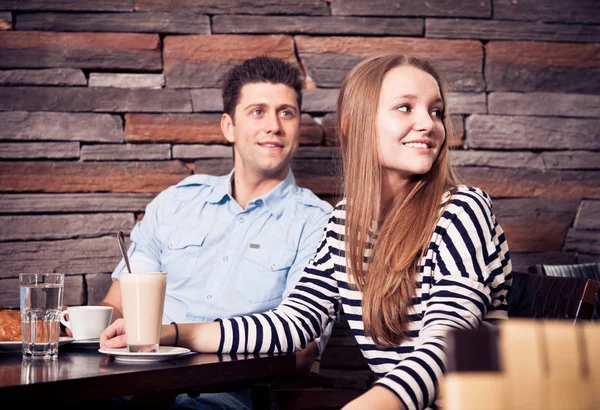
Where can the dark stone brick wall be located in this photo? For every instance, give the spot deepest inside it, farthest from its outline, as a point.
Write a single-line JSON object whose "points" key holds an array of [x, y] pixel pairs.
{"points": [[103, 104]]}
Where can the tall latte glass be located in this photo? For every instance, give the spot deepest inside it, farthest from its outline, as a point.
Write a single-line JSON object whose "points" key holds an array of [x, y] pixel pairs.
{"points": [[143, 300], [41, 299]]}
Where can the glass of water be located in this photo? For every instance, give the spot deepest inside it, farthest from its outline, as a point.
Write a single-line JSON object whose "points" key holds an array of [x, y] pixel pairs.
{"points": [[41, 303]]}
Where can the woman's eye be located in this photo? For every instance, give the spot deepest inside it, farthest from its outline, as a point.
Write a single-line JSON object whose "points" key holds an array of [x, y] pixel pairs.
{"points": [[437, 113], [403, 108]]}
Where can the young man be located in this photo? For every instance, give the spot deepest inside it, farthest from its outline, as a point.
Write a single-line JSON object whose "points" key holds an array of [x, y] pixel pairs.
{"points": [[235, 244]]}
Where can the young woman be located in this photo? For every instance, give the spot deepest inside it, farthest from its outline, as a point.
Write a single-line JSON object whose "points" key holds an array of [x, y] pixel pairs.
{"points": [[409, 254]]}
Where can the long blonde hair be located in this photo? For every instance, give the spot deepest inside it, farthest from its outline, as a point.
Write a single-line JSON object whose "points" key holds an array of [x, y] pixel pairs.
{"points": [[403, 230]]}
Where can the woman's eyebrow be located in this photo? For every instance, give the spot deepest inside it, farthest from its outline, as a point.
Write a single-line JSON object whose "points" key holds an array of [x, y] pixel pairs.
{"points": [[437, 100], [405, 96]]}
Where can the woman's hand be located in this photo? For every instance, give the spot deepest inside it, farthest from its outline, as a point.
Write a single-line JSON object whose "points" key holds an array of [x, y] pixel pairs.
{"points": [[377, 398], [113, 336]]}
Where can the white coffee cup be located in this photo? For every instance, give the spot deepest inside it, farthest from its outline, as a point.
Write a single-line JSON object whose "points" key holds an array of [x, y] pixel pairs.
{"points": [[86, 322]]}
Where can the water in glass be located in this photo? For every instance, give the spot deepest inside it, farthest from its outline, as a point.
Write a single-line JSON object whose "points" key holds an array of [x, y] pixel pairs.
{"points": [[41, 303]]}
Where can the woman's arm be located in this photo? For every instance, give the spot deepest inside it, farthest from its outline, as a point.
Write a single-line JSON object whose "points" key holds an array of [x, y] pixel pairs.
{"points": [[198, 337], [376, 398]]}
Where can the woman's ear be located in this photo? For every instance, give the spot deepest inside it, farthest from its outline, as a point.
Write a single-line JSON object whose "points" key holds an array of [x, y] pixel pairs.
{"points": [[227, 127], [344, 123]]}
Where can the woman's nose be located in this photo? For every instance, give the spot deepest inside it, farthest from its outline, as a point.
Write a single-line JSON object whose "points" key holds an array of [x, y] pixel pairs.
{"points": [[424, 122]]}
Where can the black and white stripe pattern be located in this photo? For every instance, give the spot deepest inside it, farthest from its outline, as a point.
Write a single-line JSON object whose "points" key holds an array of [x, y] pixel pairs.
{"points": [[464, 279]]}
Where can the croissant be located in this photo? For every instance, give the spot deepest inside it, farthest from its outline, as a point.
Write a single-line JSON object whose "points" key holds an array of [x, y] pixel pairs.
{"points": [[10, 325]]}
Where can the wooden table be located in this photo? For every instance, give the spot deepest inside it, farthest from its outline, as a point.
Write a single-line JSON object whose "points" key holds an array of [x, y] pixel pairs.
{"points": [[80, 375]]}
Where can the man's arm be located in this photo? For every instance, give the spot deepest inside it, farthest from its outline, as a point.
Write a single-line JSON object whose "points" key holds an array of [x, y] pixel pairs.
{"points": [[143, 252], [113, 298]]}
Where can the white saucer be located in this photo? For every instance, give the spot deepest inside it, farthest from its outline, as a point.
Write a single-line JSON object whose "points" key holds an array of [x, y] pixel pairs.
{"points": [[164, 353], [63, 340], [86, 343], [11, 347]]}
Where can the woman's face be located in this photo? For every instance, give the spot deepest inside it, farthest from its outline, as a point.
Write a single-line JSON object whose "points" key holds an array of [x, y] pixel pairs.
{"points": [[409, 124]]}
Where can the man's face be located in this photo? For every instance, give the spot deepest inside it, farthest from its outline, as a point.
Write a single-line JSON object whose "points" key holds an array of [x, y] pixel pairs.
{"points": [[265, 132]]}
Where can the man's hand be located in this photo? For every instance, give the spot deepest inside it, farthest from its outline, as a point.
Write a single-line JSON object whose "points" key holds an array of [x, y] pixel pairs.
{"points": [[305, 358], [65, 331], [114, 336]]}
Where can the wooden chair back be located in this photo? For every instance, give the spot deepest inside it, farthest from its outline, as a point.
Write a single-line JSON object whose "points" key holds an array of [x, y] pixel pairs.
{"points": [[539, 296], [581, 270]]}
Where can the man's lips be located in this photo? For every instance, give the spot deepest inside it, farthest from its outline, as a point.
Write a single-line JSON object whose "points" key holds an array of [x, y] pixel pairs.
{"points": [[271, 144]]}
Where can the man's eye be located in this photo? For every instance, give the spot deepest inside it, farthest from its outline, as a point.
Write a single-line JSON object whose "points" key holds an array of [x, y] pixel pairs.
{"points": [[286, 114], [257, 112]]}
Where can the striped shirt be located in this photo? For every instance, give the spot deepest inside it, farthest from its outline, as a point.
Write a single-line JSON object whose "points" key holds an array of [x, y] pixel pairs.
{"points": [[464, 279]]}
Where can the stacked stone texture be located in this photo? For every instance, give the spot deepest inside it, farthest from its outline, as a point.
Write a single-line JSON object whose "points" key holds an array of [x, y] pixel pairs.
{"points": [[103, 104]]}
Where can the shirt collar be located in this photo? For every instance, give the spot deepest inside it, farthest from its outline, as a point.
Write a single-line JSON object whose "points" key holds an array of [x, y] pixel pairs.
{"points": [[274, 200], [222, 189]]}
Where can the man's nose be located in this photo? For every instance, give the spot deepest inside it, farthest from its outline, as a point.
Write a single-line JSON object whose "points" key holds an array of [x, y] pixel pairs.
{"points": [[272, 123]]}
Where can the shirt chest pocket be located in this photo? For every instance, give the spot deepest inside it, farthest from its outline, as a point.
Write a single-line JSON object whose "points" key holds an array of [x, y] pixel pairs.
{"points": [[263, 274], [182, 252]]}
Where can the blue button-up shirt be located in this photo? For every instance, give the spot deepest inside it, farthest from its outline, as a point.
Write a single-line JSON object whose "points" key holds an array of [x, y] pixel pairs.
{"points": [[222, 260]]}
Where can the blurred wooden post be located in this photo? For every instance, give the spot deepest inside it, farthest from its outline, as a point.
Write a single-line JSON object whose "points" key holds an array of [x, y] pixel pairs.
{"points": [[591, 337], [528, 364], [523, 363], [473, 379]]}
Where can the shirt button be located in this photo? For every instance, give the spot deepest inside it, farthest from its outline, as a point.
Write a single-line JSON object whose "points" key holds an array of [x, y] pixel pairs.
{"points": [[241, 220], [273, 266], [225, 258], [209, 297]]}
